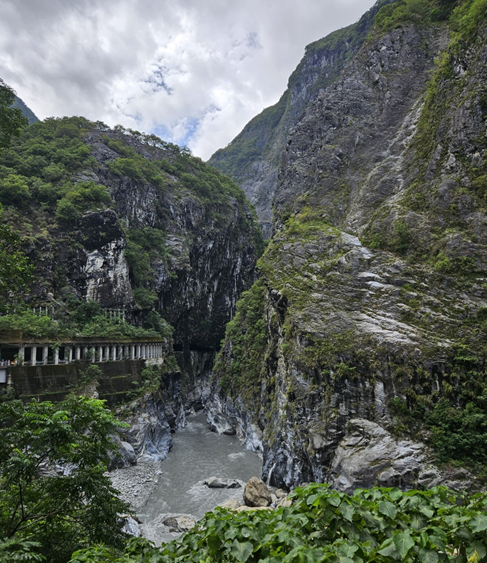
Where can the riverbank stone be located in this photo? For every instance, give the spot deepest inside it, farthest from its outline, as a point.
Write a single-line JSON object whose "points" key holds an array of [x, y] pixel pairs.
{"points": [[256, 493], [179, 523]]}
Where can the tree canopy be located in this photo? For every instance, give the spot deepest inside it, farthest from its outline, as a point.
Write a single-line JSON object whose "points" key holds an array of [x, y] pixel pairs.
{"points": [[54, 494], [12, 120]]}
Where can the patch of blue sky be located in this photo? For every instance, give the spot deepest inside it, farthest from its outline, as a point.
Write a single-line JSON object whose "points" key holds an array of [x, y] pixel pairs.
{"points": [[156, 80], [191, 125], [163, 133]]}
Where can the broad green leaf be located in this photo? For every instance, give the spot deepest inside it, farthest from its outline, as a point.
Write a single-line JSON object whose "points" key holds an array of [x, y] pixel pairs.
{"points": [[347, 510], [388, 548], [428, 556], [347, 549], [388, 509], [241, 551], [417, 522], [312, 500], [479, 523], [427, 511], [464, 534], [395, 494], [478, 548], [438, 542], [403, 542], [334, 501]]}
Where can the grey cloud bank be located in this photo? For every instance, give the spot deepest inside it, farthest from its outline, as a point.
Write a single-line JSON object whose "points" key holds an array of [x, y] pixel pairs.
{"points": [[193, 72]]}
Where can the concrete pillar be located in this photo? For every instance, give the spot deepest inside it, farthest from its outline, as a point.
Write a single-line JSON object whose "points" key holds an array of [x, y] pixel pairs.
{"points": [[78, 353], [132, 352], [45, 354], [21, 354], [33, 355], [56, 356], [138, 352], [68, 354], [100, 353], [114, 353]]}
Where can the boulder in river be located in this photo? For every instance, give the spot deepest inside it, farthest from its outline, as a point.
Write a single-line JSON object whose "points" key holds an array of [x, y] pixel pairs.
{"points": [[217, 483], [256, 493], [179, 523]]}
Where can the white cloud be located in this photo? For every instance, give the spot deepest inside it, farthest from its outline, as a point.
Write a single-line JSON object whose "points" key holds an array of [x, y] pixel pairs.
{"points": [[195, 71]]}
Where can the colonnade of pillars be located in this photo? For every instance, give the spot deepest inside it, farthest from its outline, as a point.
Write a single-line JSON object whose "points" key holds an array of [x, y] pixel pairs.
{"points": [[94, 353]]}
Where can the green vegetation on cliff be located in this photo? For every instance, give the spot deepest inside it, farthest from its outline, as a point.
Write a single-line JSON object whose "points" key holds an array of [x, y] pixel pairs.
{"points": [[12, 119], [238, 366]]}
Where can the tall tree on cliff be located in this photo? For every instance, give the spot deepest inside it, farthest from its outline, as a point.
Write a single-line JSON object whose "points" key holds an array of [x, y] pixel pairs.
{"points": [[12, 120]]}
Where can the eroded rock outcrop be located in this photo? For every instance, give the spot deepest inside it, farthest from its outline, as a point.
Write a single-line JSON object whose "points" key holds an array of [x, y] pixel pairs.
{"points": [[372, 290], [252, 159]]}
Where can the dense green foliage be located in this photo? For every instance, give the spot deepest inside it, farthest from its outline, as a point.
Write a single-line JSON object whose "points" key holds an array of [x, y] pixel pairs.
{"points": [[379, 525], [238, 367], [12, 119], [452, 408], [15, 270], [37, 171], [33, 325], [53, 487], [413, 11]]}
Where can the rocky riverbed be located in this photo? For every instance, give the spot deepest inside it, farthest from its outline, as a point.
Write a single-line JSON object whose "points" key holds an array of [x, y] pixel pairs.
{"points": [[137, 482]]}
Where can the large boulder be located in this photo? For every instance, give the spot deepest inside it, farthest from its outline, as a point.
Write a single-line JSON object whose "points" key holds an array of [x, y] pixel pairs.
{"points": [[256, 493]]}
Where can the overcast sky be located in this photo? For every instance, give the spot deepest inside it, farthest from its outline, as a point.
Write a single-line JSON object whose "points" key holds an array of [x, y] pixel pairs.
{"points": [[192, 71]]}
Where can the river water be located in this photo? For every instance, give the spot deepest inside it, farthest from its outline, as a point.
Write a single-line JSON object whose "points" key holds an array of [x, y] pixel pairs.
{"points": [[197, 454]]}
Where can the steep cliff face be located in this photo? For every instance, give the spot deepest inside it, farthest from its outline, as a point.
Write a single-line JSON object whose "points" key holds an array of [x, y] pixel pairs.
{"points": [[372, 299], [252, 158], [132, 223]]}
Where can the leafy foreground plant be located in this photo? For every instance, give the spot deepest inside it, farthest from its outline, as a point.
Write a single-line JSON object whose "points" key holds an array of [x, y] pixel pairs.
{"points": [[380, 525], [54, 494]]}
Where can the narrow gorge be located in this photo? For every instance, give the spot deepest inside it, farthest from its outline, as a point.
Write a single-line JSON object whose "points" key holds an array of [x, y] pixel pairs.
{"points": [[338, 328]]}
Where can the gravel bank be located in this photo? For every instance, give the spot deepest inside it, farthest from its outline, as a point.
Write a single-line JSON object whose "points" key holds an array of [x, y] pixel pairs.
{"points": [[136, 482]]}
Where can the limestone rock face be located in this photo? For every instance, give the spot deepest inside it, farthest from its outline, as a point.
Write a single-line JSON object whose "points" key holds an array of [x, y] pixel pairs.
{"points": [[375, 276], [369, 456], [256, 493], [149, 434], [252, 159]]}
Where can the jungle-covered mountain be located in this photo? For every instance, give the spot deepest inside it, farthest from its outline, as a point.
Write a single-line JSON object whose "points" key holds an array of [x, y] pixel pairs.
{"points": [[129, 222], [365, 336]]}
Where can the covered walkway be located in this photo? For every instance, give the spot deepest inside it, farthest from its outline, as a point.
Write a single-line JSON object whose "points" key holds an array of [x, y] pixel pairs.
{"points": [[20, 353]]}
